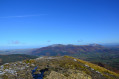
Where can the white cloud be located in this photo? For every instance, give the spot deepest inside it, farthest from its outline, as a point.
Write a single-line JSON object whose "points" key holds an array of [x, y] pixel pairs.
{"points": [[21, 16]]}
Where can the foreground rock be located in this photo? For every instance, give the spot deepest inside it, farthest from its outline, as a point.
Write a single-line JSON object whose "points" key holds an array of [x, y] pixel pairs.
{"points": [[62, 67]]}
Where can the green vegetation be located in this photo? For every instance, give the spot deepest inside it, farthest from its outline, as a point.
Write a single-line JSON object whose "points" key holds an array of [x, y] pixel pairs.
{"points": [[102, 70], [15, 57], [109, 60]]}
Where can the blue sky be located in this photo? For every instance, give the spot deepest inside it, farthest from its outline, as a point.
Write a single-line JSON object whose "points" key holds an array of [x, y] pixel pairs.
{"points": [[45, 22]]}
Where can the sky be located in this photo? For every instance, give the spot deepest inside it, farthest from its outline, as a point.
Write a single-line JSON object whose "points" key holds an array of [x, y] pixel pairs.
{"points": [[46, 22]]}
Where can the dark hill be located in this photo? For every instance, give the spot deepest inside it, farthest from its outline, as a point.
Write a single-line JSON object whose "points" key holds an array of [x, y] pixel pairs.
{"points": [[14, 58]]}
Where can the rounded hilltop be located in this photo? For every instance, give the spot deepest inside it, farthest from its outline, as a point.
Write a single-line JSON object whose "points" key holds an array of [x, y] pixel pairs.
{"points": [[58, 67]]}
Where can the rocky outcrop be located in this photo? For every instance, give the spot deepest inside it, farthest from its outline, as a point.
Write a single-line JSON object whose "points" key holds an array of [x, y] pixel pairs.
{"points": [[56, 75], [61, 67]]}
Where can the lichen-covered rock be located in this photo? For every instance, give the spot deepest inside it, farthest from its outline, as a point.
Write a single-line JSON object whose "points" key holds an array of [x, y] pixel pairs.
{"points": [[62, 67], [55, 75]]}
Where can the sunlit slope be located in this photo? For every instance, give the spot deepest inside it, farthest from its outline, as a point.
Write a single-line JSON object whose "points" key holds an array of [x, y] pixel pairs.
{"points": [[107, 73]]}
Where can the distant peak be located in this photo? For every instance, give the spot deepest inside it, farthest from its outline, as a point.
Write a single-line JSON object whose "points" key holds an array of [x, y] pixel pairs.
{"points": [[95, 44], [55, 45]]}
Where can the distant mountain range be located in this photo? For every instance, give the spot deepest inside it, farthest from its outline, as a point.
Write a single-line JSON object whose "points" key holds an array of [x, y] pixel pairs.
{"points": [[59, 49]]}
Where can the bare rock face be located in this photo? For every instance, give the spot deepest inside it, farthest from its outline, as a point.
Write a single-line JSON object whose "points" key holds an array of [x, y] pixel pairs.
{"points": [[61, 67]]}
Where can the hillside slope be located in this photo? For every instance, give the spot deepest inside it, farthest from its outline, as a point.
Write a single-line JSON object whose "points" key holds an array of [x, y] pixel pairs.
{"points": [[14, 58], [61, 67]]}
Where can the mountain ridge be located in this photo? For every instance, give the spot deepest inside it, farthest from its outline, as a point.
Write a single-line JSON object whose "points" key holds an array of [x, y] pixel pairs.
{"points": [[59, 49]]}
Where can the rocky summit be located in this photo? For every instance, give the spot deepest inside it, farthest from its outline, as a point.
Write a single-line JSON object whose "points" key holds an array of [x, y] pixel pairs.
{"points": [[58, 67]]}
